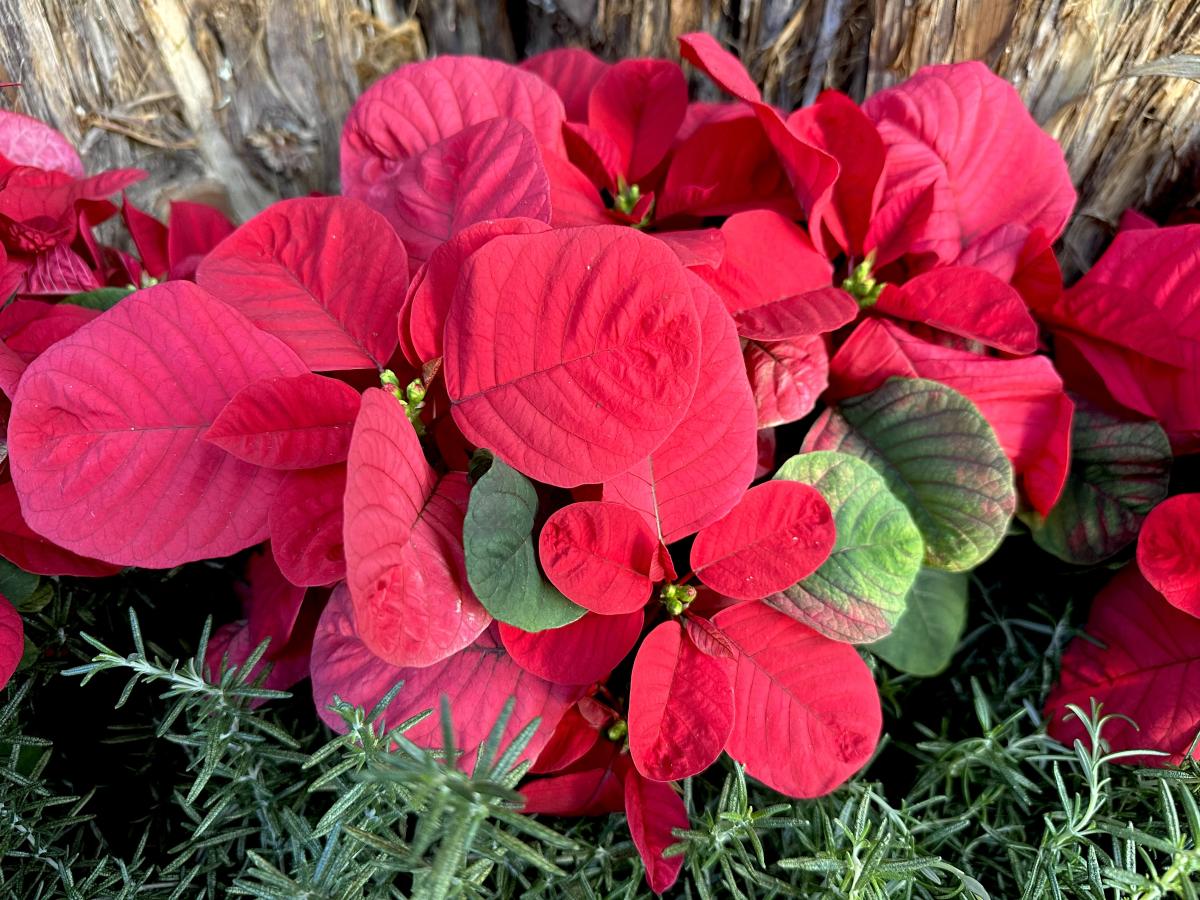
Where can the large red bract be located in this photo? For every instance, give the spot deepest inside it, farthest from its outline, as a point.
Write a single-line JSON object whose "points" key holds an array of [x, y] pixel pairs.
{"points": [[680, 705], [1138, 660], [807, 714], [403, 543], [706, 463], [942, 130], [297, 271], [477, 681], [572, 354], [412, 109], [491, 170], [109, 460]]}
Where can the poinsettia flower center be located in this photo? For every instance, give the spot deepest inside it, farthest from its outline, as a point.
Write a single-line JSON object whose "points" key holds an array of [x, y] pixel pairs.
{"points": [[677, 597], [862, 285], [617, 731], [627, 197], [411, 397]]}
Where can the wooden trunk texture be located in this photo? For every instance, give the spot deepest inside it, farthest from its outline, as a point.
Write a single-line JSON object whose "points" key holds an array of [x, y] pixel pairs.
{"points": [[242, 101]]}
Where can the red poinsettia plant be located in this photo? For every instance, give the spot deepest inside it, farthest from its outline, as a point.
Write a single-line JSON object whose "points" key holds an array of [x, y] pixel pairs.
{"points": [[542, 355]]}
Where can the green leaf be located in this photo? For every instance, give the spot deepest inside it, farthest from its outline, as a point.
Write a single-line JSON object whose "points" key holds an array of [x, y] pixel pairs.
{"points": [[923, 641], [859, 593], [36, 601], [16, 584], [939, 456], [501, 559], [104, 298], [1119, 472]]}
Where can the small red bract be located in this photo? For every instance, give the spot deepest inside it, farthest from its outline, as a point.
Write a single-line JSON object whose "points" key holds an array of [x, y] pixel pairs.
{"points": [[680, 705], [403, 544], [602, 556], [778, 534], [297, 422], [1168, 551], [585, 651], [12, 640]]}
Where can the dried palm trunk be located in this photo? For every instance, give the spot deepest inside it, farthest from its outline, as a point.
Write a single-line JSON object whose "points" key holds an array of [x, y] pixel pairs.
{"points": [[249, 94]]}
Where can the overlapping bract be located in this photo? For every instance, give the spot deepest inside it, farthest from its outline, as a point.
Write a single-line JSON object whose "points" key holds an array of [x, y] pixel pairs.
{"points": [[477, 405]]}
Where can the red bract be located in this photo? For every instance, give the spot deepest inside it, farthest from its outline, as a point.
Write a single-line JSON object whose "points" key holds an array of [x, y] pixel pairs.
{"points": [[786, 378], [1168, 551], [490, 170], [1138, 660], [638, 105], [705, 465], [602, 556], [811, 171], [411, 110], [1023, 399], [231, 644], [582, 652], [109, 460], [962, 135], [30, 327], [842, 218], [725, 165], [542, 373], [193, 230], [12, 640], [149, 237], [477, 681], [1131, 326], [299, 422], [794, 688], [270, 602], [11, 369], [778, 534], [574, 737], [175, 250], [593, 785], [654, 810], [57, 272], [403, 543], [27, 142], [305, 523], [298, 271], [600, 779], [572, 73], [680, 705], [422, 320], [28, 550], [970, 303], [781, 294], [273, 610]]}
